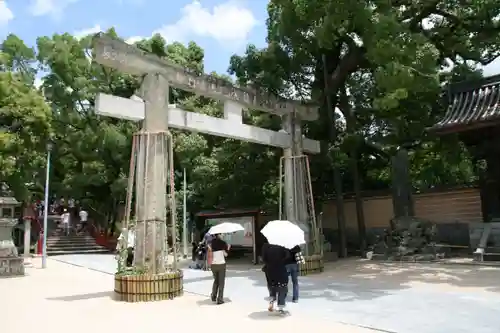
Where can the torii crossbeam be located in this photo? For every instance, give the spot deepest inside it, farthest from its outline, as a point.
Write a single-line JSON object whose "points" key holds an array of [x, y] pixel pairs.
{"points": [[231, 126]]}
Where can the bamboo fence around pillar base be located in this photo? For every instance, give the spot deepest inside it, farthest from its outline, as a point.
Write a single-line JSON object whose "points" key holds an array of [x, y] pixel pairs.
{"points": [[149, 287], [313, 265]]}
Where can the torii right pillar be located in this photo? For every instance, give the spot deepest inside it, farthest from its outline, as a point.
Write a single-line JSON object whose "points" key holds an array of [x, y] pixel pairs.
{"points": [[296, 199]]}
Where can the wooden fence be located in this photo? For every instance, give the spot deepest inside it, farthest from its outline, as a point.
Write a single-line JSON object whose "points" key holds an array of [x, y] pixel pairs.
{"points": [[443, 207]]}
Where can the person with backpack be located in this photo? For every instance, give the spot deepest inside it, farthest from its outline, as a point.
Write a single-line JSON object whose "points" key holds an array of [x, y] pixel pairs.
{"points": [[292, 267]]}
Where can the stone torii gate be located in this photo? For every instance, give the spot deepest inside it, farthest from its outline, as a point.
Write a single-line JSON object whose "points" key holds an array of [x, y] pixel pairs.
{"points": [[157, 116]]}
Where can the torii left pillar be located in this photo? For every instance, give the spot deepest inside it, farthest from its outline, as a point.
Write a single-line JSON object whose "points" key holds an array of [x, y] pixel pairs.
{"points": [[152, 178]]}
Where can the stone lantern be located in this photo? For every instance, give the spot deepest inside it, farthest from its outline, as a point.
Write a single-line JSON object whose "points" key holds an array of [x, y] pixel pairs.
{"points": [[11, 264]]}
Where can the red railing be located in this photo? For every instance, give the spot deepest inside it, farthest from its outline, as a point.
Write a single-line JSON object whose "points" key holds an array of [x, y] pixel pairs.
{"points": [[31, 213], [101, 238]]}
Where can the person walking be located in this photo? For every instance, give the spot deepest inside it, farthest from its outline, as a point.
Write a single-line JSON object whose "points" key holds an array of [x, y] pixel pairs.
{"points": [[264, 269], [40, 209], [219, 249], [292, 268], [84, 215], [206, 240], [61, 205], [275, 257], [73, 212], [65, 220]]}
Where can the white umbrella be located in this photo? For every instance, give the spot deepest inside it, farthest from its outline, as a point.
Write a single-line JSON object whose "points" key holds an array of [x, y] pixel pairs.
{"points": [[225, 228], [283, 233]]}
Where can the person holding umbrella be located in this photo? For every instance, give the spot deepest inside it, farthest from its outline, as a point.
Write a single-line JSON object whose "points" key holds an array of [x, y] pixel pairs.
{"points": [[274, 257], [282, 236], [220, 251]]}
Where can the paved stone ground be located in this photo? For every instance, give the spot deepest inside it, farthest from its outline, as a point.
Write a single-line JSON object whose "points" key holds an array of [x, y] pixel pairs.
{"points": [[402, 298], [65, 298]]}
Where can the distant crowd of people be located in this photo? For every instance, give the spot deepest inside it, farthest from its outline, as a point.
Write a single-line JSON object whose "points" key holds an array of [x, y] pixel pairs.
{"points": [[73, 216]]}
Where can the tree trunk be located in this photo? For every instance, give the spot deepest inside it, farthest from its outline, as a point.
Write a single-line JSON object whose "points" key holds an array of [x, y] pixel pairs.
{"points": [[337, 177], [354, 165], [360, 214]]}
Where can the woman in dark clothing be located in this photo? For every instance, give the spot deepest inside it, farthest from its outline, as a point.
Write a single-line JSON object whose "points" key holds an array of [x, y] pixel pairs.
{"points": [[264, 269], [274, 258], [194, 251]]}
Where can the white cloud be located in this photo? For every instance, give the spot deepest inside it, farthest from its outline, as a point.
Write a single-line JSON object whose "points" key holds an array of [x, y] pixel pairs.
{"points": [[5, 13], [492, 68], [229, 22], [79, 34], [54, 8], [134, 39]]}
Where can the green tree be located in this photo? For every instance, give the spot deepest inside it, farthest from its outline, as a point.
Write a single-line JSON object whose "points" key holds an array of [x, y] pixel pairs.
{"points": [[92, 153], [383, 62], [25, 121], [17, 57], [25, 126]]}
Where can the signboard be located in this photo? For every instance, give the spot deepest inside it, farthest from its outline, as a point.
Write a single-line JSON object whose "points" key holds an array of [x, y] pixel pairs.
{"points": [[241, 238]]}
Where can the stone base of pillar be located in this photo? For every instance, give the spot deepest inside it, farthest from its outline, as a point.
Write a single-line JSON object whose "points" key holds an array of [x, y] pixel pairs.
{"points": [[11, 266], [313, 265], [149, 287]]}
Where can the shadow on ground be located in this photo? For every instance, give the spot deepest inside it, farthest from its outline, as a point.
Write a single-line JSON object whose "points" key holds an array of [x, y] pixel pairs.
{"points": [[81, 297], [265, 315], [389, 297], [344, 280], [348, 280], [208, 302], [404, 275]]}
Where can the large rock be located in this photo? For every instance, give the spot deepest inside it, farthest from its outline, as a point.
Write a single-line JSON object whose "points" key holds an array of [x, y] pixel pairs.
{"points": [[408, 238]]}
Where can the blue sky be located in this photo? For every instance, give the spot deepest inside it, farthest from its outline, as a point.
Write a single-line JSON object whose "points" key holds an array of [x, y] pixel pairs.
{"points": [[220, 27]]}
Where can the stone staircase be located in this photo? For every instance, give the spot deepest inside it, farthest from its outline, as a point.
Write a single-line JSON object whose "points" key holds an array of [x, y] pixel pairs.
{"points": [[59, 244]]}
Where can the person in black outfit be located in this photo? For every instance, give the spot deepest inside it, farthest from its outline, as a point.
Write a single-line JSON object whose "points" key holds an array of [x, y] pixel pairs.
{"points": [[130, 256], [264, 269], [274, 258], [194, 251], [219, 253]]}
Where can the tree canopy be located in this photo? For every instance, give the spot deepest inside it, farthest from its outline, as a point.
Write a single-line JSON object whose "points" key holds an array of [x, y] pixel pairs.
{"points": [[25, 120], [386, 64]]}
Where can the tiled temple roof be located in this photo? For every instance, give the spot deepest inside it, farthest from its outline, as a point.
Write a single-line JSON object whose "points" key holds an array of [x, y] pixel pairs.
{"points": [[472, 105]]}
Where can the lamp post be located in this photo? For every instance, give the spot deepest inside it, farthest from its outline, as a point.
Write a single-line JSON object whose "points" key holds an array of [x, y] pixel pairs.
{"points": [[46, 205], [184, 218]]}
